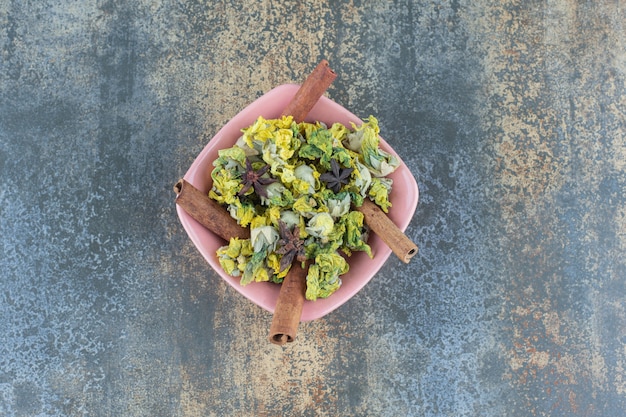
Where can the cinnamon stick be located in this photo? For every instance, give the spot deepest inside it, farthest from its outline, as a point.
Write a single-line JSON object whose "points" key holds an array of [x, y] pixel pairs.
{"points": [[310, 91], [387, 230], [208, 212], [289, 306]]}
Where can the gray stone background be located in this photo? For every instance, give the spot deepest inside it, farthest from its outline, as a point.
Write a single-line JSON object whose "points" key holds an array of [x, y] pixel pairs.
{"points": [[510, 114]]}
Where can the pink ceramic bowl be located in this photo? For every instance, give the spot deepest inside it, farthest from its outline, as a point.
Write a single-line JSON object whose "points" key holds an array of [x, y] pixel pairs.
{"points": [[404, 198]]}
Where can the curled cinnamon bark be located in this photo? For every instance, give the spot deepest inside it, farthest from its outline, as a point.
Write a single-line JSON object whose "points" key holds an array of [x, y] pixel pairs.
{"points": [[289, 306], [310, 91], [387, 230], [292, 291], [208, 212]]}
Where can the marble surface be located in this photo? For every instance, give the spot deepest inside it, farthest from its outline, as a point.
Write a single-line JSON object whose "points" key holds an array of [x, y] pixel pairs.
{"points": [[510, 114]]}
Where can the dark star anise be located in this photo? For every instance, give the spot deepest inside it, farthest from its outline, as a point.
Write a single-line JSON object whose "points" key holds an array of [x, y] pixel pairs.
{"points": [[255, 179], [289, 245], [336, 176]]}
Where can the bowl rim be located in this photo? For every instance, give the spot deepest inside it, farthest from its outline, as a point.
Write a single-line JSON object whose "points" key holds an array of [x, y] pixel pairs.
{"points": [[270, 105]]}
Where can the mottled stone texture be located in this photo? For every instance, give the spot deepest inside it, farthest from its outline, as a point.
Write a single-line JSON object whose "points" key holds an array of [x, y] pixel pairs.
{"points": [[511, 115]]}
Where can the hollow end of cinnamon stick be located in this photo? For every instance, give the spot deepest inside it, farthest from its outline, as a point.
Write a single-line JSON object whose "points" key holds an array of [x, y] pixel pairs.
{"points": [[381, 224], [178, 187], [288, 309]]}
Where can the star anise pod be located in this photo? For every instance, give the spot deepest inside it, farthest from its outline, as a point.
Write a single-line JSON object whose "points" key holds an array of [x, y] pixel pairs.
{"points": [[337, 176], [289, 245], [255, 179]]}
